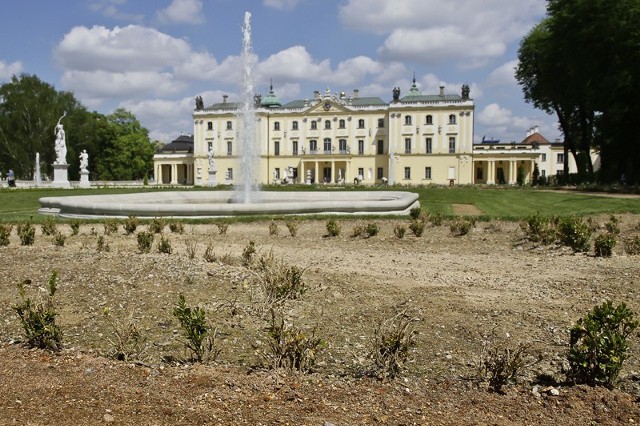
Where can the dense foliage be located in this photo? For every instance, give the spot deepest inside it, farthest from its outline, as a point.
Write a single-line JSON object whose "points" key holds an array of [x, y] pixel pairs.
{"points": [[119, 147], [582, 63]]}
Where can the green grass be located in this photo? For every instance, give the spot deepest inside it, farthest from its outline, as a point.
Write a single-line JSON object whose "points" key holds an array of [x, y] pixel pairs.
{"points": [[500, 203]]}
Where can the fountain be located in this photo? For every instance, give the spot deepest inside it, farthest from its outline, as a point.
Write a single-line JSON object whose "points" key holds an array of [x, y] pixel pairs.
{"points": [[245, 199]]}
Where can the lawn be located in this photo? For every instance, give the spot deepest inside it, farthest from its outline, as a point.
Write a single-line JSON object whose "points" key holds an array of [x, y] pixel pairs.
{"points": [[502, 203]]}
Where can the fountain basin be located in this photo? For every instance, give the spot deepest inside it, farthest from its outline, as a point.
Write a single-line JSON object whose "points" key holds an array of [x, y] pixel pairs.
{"points": [[206, 204]]}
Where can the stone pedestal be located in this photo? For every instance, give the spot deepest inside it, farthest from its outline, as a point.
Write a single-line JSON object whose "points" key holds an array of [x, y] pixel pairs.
{"points": [[84, 180], [213, 179], [60, 176]]}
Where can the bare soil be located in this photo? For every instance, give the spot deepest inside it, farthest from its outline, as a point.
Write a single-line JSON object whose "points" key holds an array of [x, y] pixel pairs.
{"points": [[488, 286]]}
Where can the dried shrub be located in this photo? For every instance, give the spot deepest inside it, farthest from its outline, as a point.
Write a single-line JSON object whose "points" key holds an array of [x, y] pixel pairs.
{"points": [[399, 230], [145, 241], [157, 225], [102, 245], [58, 239], [49, 227], [598, 344], [38, 318], [417, 227], [333, 228], [273, 228], [75, 226], [130, 225], [460, 227], [292, 226], [192, 248], [222, 228], [415, 213], [26, 233], [5, 233], [358, 231], [164, 245], [209, 254], [110, 226], [289, 346], [391, 345], [613, 226], [127, 343], [248, 252], [176, 227], [436, 219], [279, 280], [372, 229], [632, 245]]}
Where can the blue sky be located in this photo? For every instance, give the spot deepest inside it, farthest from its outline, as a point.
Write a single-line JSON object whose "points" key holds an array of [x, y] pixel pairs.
{"points": [[153, 57]]}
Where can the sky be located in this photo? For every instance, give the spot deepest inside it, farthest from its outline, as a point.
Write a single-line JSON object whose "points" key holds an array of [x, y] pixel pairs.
{"points": [[153, 57]]}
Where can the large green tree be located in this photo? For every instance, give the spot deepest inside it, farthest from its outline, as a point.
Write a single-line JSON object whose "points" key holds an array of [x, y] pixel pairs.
{"points": [[582, 62]]}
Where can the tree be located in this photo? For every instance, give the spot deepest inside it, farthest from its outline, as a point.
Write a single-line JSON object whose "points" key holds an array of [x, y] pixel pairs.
{"points": [[128, 155]]}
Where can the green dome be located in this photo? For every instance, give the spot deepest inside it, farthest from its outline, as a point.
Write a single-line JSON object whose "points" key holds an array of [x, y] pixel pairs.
{"points": [[271, 100]]}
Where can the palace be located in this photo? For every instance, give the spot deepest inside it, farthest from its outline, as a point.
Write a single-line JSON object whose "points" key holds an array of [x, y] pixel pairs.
{"points": [[336, 138]]}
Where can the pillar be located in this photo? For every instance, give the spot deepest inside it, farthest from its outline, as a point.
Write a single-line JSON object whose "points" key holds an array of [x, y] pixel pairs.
{"points": [[174, 174]]}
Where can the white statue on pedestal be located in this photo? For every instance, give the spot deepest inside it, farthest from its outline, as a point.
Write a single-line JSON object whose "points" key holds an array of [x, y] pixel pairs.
{"points": [[84, 161], [61, 143], [212, 162]]}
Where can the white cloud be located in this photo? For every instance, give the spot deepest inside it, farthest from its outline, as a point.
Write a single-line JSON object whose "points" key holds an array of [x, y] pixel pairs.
{"points": [[131, 84], [111, 9], [132, 48], [504, 75], [182, 12], [434, 31], [8, 70], [294, 63], [281, 4]]}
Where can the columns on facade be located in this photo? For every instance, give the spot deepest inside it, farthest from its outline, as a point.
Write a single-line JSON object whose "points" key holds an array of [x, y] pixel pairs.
{"points": [[333, 172], [316, 179], [158, 176], [174, 174], [491, 172]]}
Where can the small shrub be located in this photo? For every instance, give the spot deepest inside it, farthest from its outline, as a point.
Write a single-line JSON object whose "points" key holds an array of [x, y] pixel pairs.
{"points": [[417, 227], [127, 342], [292, 226], [38, 319], [110, 226], [460, 227], [93, 232], [58, 239], [273, 228], [248, 252], [333, 228], [176, 227], [574, 233], [103, 245], [415, 213], [49, 227], [164, 245], [598, 344], [632, 245], [156, 225], [222, 228], [199, 338], [130, 225], [290, 347], [75, 227], [192, 248], [399, 230], [5, 233], [436, 219], [613, 226], [604, 244], [145, 241], [539, 229], [209, 255], [372, 229], [26, 233], [358, 231], [391, 345], [279, 280]]}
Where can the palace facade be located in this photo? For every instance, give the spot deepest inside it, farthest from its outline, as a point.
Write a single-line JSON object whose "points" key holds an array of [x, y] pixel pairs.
{"points": [[336, 138]]}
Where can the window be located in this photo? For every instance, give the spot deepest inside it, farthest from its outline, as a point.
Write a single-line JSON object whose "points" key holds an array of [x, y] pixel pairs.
{"points": [[327, 145], [342, 146], [452, 145], [407, 120], [313, 145], [276, 148], [210, 125], [361, 124], [276, 125], [427, 172], [429, 145], [380, 172], [230, 173], [229, 148], [452, 119], [294, 147], [543, 157], [327, 124], [407, 145], [314, 125], [294, 125], [560, 159], [407, 172], [380, 122], [229, 125], [360, 173], [380, 147], [429, 119], [361, 147], [341, 124]]}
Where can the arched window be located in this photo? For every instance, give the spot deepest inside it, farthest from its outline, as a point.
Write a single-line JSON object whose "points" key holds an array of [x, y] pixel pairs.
{"points": [[452, 119], [407, 120], [341, 124], [361, 124], [313, 145], [314, 125], [229, 125], [294, 125], [209, 125], [429, 119], [276, 125], [327, 124]]}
